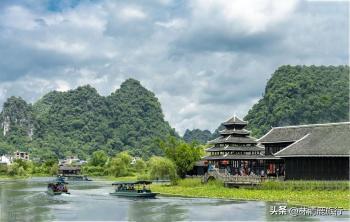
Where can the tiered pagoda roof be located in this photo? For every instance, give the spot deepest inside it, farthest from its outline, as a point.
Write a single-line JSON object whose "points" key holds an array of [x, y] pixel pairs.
{"points": [[235, 121], [234, 131], [234, 141]]}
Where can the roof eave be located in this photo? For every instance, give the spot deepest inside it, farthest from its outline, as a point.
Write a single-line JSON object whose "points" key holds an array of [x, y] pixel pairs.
{"points": [[315, 155]]}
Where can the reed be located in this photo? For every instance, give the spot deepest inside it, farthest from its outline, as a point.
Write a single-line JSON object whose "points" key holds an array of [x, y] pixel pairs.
{"points": [[304, 185], [304, 193]]}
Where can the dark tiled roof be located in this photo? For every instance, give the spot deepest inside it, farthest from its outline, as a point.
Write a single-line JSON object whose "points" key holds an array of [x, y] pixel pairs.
{"points": [[292, 133], [235, 148], [239, 157], [321, 140], [233, 139], [284, 134], [234, 121], [232, 132]]}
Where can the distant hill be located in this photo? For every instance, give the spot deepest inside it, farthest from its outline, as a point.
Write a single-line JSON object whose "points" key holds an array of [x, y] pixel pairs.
{"points": [[81, 121], [197, 135], [302, 95]]}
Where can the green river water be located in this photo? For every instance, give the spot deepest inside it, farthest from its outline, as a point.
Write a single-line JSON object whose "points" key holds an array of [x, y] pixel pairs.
{"points": [[27, 200]]}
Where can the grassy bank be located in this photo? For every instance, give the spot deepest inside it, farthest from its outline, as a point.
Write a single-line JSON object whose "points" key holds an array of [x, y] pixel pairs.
{"points": [[294, 194], [7, 177]]}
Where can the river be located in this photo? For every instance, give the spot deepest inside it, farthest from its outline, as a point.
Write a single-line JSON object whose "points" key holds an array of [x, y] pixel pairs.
{"points": [[26, 200]]}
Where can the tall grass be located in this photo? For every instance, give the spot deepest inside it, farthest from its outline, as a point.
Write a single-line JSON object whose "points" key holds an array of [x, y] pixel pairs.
{"points": [[306, 193], [191, 182], [304, 185]]}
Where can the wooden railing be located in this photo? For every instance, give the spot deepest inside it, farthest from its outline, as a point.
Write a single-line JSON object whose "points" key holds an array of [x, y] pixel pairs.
{"points": [[226, 177]]}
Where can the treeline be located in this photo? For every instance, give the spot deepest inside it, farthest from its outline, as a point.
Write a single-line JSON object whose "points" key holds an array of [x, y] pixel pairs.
{"points": [[179, 158], [25, 168]]}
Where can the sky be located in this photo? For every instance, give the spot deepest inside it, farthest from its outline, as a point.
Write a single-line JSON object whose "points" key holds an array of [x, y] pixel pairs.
{"points": [[205, 60]]}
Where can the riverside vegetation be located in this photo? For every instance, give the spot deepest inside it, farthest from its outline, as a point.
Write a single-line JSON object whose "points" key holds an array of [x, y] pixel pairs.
{"points": [[306, 193], [179, 158]]}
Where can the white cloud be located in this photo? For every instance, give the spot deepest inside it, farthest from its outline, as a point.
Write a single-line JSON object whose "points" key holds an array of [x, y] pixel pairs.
{"points": [[130, 13], [19, 18], [176, 23], [62, 85], [61, 46], [252, 16], [205, 60]]}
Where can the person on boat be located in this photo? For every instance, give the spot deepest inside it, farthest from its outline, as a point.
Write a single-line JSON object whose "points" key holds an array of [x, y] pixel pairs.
{"points": [[60, 187]]}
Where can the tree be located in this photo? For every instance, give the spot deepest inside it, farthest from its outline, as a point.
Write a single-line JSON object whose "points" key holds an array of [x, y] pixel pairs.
{"points": [[98, 158], [162, 168], [54, 169], [17, 168], [120, 165], [140, 166], [125, 157], [118, 168], [182, 154]]}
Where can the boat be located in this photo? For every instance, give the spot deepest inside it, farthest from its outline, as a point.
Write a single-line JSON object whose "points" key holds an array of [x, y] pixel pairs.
{"points": [[140, 188], [57, 187], [74, 177]]}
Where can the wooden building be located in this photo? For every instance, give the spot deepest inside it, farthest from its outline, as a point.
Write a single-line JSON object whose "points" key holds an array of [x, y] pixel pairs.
{"points": [[199, 169], [311, 152], [236, 151], [21, 155], [69, 170]]}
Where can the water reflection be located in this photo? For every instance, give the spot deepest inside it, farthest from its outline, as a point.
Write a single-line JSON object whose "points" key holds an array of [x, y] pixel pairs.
{"points": [[23, 202], [154, 210]]}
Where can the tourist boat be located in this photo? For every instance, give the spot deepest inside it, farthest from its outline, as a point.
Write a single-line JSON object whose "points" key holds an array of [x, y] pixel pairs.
{"points": [[74, 177], [57, 187], [139, 188]]}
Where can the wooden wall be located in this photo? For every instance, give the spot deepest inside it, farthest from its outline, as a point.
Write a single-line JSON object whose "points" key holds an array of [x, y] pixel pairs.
{"points": [[317, 168]]}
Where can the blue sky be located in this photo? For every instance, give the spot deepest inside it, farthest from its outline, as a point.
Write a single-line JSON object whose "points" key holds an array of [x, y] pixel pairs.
{"points": [[204, 59]]}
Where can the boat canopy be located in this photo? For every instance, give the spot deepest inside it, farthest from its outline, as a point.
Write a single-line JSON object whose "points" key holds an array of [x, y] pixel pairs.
{"points": [[131, 183], [59, 180]]}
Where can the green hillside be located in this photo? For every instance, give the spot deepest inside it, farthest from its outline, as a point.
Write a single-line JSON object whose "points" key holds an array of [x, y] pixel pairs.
{"points": [[197, 135], [80, 121], [302, 95]]}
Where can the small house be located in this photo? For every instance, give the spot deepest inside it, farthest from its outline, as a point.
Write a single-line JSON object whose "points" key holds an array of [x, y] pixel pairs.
{"points": [[69, 170], [5, 160], [21, 155]]}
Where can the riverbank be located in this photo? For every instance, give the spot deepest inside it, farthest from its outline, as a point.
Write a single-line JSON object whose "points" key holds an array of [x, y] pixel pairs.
{"points": [[306, 197], [7, 177]]}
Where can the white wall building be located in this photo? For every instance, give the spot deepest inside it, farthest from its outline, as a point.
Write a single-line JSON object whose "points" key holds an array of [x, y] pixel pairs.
{"points": [[5, 160]]}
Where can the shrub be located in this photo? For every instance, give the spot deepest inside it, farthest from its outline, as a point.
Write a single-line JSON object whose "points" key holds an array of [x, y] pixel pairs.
{"points": [[162, 168]]}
